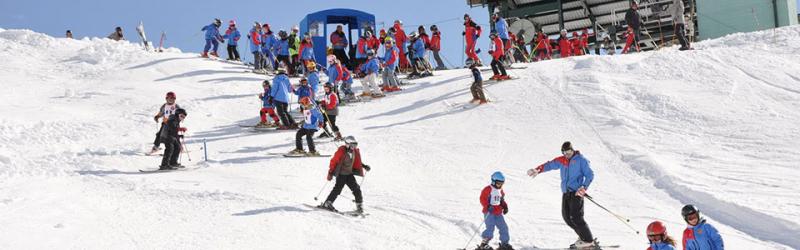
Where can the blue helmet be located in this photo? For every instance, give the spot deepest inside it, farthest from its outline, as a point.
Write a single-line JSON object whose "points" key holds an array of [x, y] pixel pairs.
{"points": [[498, 176]]}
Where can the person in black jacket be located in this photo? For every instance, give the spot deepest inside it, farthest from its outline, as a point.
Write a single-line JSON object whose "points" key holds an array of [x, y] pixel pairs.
{"points": [[633, 20], [170, 138]]}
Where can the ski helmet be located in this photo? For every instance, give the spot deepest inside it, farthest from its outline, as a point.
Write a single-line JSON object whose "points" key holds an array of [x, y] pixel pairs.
{"points": [[370, 52], [303, 80], [311, 65], [217, 22], [413, 35], [305, 101], [367, 33], [389, 40], [282, 33], [498, 176], [656, 228], [398, 21], [180, 111], [350, 141], [493, 34], [170, 94], [689, 210], [328, 85], [566, 146], [331, 58], [434, 28]]}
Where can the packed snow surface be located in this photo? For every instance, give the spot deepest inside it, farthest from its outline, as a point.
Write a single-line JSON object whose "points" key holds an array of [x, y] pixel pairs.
{"points": [[716, 127]]}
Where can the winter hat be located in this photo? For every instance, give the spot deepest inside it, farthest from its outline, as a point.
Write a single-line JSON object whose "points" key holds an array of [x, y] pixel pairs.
{"points": [[180, 111], [171, 94], [232, 23], [265, 82], [566, 146]]}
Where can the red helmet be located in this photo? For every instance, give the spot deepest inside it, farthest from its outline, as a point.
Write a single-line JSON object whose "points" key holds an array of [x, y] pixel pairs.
{"points": [[656, 228], [170, 94], [305, 100]]}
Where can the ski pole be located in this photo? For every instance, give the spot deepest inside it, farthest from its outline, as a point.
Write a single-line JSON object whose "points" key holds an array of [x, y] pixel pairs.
{"points": [[320, 190], [476, 231], [620, 218]]}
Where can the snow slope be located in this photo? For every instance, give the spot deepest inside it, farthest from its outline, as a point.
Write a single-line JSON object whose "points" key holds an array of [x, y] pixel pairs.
{"points": [[716, 127]]}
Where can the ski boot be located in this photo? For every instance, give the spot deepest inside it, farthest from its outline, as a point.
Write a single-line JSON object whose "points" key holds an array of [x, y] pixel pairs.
{"points": [[504, 77], [297, 151], [359, 208], [338, 136], [312, 153], [262, 125], [214, 54], [505, 246], [165, 168], [580, 244], [327, 205], [365, 93], [176, 166], [484, 246], [324, 135], [204, 55], [474, 100], [483, 101], [377, 95]]}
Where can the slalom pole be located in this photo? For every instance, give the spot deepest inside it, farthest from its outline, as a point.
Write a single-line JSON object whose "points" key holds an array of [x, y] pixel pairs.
{"points": [[620, 218], [476, 231]]}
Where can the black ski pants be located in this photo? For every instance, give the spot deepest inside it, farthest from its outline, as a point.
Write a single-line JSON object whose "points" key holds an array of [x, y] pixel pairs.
{"points": [[257, 60], [172, 151], [285, 60], [680, 31], [497, 66], [283, 113], [342, 56], [157, 141], [309, 134], [233, 52], [350, 181], [572, 211], [332, 120]]}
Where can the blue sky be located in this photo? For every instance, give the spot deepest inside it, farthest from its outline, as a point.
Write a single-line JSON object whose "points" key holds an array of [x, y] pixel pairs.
{"points": [[182, 19]]}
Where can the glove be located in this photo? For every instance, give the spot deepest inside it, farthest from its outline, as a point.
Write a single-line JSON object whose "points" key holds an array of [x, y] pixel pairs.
{"points": [[180, 136], [155, 118], [182, 129], [505, 208], [366, 167], [581, 192], [463, 33], [533, 172], [330, 177]]}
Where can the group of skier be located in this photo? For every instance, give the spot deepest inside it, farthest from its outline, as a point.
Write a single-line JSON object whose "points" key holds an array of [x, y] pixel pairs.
{"points": [[576, 177]]}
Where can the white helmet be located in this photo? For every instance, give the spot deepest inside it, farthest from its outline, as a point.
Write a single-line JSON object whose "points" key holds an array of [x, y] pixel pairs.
{"points": [[350, 140]]}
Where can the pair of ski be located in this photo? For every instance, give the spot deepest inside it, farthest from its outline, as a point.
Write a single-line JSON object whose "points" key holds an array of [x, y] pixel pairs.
{"points": [[348, 213], [162, 170], [290, 155], [571, 248]]}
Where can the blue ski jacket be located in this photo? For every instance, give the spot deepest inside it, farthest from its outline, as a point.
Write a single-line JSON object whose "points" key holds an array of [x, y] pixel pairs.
{"points": [[371, 66], [313, 81], [232, 35], [281, 87], [212, 32], [575, 172], [501, 27], [312, 119], [282, 47], [703, 236], [419, 49]]}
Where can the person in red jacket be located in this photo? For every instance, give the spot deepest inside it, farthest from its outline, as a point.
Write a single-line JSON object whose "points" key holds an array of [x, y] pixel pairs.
{"points": [[497, 58], [400, 39], [494, 207], [471, 34], [435, 46], [330, 106], [345, 164], [577, 44], [585, 39], [543, 49], [564, 45], [630, 37], [372, 41]]}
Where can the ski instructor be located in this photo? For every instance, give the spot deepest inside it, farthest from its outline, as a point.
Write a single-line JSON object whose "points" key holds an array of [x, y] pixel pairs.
{"points": [[576, 176]]}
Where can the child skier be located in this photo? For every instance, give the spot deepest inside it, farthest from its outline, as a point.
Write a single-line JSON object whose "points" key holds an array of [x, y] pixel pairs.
{"points": [[477, 85], [345, 164], [347, 83], [494, 207], [232, 35], [312, 121], [630, 40], [330, 105], [699, 235], [657, 235], [165, 111], [370, 69], [306, 51], [267, 108], [312, 76], [497, 58], [303, 91], [212, 37], [170, 137], [255, 47], [390, 82]]}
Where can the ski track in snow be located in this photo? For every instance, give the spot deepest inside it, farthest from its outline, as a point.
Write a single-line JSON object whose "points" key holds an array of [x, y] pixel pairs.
{"points": [[719, 129]]}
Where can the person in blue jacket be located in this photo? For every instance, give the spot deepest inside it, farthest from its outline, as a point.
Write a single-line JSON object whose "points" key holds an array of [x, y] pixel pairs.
{"points": [[282, 50], [576, 176], [232, 35], [312, 122], [303, 91], [312, 76], [254, 38], [212, 37], [699, 235], [419, 55], [281, 87], [658, 237], [267, 47], [370, 69], [501, 27]]}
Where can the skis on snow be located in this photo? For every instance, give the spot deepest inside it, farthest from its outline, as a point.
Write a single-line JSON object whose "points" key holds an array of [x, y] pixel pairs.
{"points": [[348, 213]]}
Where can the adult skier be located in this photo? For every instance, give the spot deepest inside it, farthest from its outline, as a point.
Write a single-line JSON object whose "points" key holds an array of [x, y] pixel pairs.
{"points": [[282, 49], [699, 235], [436, 46], [501, 28], [676, 9], [576, 176], [294, 45], [232, 35], [171, 139], [471, 34], [212, 37], [339, 43], [361, 51], [657, 235], [494, 209], [400, 39], [497, 58], [279, 95], [345, 164], [312, 121], [165, 111], [268, 45], [633, 19]]}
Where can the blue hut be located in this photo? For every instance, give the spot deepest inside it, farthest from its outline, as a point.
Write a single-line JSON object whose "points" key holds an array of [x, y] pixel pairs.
{"points": [[316, 24]]}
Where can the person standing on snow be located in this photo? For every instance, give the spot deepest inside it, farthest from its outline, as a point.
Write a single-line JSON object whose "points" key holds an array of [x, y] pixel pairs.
{"points": [[676, 9], [699, 235], [494, 209], [471, 34], [312, 122], [564, 45], [418, 63], [267, 108], [497, 58], [294, 45], [633, 19], [400, 39], [477, 85], [279, 95], [255, 47], [501, 28], [370, 69], [390, 82], [577, 44], [630, 41], [306, 52], [657, 235], [543, 48], [171, 139], [303, 91], [268, 44], [339, 43], [282, 49], [312, 76], [212, 37], [117, 35], [576, 176], [232, 35], [165, 111], [330, 105], [345, 165], [436, 46], [361, 51]]}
